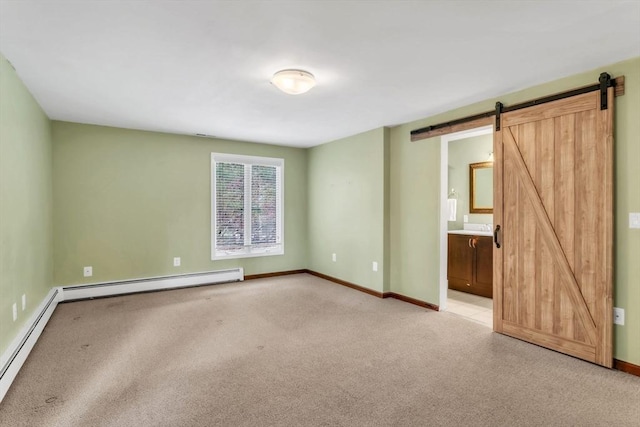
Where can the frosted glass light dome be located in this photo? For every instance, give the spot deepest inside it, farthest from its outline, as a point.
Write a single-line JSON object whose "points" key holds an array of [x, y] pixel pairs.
{"points": [[293, 82]]}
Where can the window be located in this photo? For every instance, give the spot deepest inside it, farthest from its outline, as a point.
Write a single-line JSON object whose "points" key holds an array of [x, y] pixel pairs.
{"points": [[246, 200]]}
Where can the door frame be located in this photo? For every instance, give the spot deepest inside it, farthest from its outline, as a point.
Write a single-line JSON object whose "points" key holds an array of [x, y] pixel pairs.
{"points": [[444, 192]]}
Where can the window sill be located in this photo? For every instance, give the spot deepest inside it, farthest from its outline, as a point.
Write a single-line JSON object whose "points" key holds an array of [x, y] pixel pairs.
{"points": [[246, 255]]}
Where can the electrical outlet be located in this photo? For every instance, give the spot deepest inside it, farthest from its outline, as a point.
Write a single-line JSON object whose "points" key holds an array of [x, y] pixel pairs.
{"points": [[88, 271], [634, 220], [15, 311], [176, 261], [24, 302], [333, 257], [466, 218], [375, 266], [618, 316]]}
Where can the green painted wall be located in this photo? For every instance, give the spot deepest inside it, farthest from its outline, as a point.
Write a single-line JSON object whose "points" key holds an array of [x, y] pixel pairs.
{"points": [[415, 177], [126, 202], [461, 153], [347, 208], [26, 257], [414, 213]]}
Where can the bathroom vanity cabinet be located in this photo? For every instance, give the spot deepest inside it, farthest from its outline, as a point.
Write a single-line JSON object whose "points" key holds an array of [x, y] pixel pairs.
{"points": [[470, 264]]}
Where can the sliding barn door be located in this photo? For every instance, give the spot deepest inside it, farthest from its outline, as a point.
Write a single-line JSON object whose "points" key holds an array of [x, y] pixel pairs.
{"points": [[554, 204]]}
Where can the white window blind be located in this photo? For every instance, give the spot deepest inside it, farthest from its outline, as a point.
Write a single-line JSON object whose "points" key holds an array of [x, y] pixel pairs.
{"points": [[246, 206]]}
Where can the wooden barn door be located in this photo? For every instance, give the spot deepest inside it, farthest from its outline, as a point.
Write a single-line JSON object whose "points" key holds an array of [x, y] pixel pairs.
{"points": [[554, 205]]}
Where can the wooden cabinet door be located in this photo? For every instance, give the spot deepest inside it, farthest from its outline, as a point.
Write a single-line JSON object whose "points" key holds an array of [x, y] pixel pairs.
{"points": [[553, 193], [483, 268], [460, 262]]}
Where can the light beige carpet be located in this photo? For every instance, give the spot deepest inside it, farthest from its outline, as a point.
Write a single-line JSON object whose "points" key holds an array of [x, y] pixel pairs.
{"points": [[298, 351]]}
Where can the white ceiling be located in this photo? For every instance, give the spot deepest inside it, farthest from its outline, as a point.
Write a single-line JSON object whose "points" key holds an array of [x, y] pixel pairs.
{"points": [[204, 66]]}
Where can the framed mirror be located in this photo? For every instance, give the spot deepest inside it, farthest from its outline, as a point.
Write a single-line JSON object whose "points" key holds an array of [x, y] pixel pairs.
{"points": [[481, 187]]}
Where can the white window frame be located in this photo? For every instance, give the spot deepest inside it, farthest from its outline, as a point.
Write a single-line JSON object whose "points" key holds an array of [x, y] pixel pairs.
{"points": [[249, 250]]}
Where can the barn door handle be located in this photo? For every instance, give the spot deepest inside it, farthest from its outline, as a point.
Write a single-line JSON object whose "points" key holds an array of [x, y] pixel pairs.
{"points": [[495, 236]]}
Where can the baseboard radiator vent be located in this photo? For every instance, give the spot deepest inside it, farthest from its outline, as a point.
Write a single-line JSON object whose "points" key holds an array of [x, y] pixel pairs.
{"points": [[97, 290], [14, 357]]}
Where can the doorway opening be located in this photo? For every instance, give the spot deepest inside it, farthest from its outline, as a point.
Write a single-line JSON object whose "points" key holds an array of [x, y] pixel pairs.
{"points": [[469, 294]]}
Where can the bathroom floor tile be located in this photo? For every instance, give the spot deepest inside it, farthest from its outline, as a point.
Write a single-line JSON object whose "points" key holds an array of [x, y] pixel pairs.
{"points": [[472, 307]]}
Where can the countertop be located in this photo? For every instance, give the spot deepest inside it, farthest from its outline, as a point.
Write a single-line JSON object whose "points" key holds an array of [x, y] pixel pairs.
{"points": [[471, 232]]}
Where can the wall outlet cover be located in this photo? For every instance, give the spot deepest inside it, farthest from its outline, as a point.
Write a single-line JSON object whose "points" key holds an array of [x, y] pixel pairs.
{"points": [[176, 261], [15, 311], [375, 266], [24, 301], [634, 220], [618, 316], [88, 271], [333, 257], [466, 218]]}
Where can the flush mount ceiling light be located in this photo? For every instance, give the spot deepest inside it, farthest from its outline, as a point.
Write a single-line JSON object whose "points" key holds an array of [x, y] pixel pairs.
{"points": [[293, 82]]}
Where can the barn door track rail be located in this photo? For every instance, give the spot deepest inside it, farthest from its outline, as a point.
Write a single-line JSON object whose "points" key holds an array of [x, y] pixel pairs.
{"points": [[605, 81]]}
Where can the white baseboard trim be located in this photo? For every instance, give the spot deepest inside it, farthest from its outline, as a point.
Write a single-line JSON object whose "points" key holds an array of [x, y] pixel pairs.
{"points": [[15, 356], [96, 290]]}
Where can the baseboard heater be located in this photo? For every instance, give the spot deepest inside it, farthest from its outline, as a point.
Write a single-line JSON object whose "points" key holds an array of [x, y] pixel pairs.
{"points": [[14, 357], [97, 290]]}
